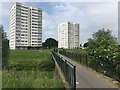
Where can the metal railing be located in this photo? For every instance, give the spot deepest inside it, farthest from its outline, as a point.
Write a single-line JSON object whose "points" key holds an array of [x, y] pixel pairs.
{"points": [[68, 69], [92, 62]]}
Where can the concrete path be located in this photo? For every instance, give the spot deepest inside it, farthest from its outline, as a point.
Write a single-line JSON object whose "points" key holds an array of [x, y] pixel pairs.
{"points": [[88, 79]]}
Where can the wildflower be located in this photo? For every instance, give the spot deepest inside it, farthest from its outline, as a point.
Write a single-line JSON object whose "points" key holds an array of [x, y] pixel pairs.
{"points": [[107, 57], [105, 50], [104, 71]]}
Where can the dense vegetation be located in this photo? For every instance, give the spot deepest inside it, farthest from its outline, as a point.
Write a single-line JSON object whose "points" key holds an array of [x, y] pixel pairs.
{"points": [[103, 54], [104, 47], [30, 69], [50, 43], [5, 47]]}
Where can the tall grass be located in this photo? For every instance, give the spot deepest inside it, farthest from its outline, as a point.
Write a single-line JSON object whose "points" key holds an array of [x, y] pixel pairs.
{"points": [[30, 69], [30, 79]]}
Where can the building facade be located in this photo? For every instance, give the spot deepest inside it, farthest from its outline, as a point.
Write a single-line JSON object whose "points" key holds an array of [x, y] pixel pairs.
{"points": [[25, 27], [68, 35]]}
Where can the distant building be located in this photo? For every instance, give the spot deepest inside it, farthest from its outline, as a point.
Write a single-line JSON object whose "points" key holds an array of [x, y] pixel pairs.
{"points": [[68, 35], [25, 27]]}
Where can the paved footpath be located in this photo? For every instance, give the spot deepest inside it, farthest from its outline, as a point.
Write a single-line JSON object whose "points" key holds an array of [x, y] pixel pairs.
{"points": [[88, 79]]}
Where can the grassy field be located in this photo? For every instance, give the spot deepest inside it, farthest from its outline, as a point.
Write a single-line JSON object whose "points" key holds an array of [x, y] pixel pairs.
{"points": [[30, 69]]}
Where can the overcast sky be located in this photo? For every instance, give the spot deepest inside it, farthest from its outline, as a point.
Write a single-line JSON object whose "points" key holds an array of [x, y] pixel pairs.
{"points": [[91, 16]]}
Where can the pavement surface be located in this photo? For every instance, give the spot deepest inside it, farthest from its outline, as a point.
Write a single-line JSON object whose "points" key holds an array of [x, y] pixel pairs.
{"points": [[86, 78]]}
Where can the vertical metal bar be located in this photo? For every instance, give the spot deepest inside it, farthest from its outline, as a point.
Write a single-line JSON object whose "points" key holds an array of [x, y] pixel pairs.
{"points": [[72, 55], [74, 77], [96, 64], [80, 58], [75, 56], [86, 60], [65, 68]]}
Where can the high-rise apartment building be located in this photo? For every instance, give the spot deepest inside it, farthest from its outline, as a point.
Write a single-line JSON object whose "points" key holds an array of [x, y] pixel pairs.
{"points": [[25, 27], [68, 35]]}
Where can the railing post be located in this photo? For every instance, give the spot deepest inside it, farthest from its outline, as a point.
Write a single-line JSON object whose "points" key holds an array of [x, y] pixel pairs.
{"points": [[72, 55], [86, 60], [80, 58], [65, 68], [76, 56], [74, 77], [96, 64]]}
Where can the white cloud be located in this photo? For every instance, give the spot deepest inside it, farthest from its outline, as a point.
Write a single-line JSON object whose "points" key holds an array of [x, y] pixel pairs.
{"points": [[46, 19], [59, 6], [50, 33], [90, 16]]}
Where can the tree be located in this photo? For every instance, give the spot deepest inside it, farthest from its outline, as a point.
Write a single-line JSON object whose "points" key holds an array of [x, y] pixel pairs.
{"points": [[5, 47], [85, 44], [80, 45], [101, 39], [50, 43], [103, 35], [103, 46]]}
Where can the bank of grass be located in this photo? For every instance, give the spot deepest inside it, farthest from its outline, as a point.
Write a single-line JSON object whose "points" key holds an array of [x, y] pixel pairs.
{"points": [[30, 69], [28, 56], [30, 79]]}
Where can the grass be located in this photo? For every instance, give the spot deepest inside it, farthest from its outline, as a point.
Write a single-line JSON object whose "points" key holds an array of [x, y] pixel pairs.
{"points": [[30, 69], [30, 79], [0, 79], [28, 56]]}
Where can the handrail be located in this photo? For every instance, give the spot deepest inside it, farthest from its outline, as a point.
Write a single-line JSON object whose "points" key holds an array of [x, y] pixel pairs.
{"points": [[68, 69]]}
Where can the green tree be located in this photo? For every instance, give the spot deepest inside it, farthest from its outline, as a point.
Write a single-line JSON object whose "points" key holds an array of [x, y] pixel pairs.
{"points": [[103, 46], [103, 34], [5, 47], [50, 43], [85, 44], [103, 40]]}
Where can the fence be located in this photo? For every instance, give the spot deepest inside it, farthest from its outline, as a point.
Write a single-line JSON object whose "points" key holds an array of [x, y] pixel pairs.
{"points": [[93, 62], [68, 69]]}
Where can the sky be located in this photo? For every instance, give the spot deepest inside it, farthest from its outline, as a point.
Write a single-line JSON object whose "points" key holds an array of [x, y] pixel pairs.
{"points": [[91, 17]]}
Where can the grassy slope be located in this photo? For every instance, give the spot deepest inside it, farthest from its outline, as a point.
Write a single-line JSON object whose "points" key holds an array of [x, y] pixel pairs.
{"points": [[28, 56], [34, 70]]}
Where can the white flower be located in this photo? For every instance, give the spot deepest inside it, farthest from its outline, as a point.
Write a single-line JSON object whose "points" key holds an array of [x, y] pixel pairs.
{"points": [[106, 56], [114, 56], [104, 71], [105, 50]]}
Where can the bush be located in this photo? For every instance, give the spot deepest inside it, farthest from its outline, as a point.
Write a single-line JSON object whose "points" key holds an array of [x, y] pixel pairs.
{"points": [[104, 47], [5, 48]]}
